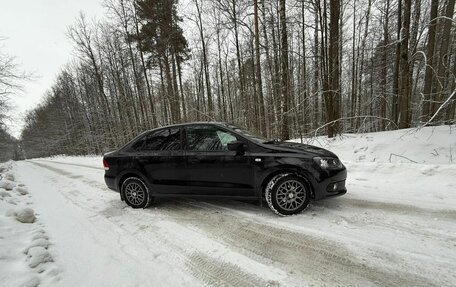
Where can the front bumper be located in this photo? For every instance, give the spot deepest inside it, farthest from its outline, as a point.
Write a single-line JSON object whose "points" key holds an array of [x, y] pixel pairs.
{"points": [[333, 185]]}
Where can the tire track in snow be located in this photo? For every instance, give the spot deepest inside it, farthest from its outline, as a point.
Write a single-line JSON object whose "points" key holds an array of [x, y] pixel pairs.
{"points": [[351, 202], [289, 249], [304, 256], [398, 221], [398, 208], [71, 164], [71, 175], [215, 272], [118, 223], [210, 270]]}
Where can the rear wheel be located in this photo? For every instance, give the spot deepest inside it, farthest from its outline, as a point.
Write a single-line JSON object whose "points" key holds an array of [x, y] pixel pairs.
{"points": [[287, 194], [135, 193]]}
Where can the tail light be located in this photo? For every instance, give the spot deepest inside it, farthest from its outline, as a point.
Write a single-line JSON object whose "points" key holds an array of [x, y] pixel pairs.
{"points": [[105, 164]]}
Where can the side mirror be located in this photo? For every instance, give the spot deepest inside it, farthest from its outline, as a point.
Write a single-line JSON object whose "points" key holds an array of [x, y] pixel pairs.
{"points": [[238, 146]]}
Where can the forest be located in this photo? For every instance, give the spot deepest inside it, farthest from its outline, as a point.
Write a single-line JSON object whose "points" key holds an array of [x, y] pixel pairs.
{"points": [[11, 80], [281, 68]]}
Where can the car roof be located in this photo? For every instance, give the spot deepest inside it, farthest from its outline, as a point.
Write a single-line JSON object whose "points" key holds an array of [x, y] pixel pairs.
{"points": [[193, 123]]}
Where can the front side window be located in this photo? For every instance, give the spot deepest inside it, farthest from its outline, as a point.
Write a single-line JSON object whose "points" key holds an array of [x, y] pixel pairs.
{"points": [[248, 134], [165, 139], [208, 138]]}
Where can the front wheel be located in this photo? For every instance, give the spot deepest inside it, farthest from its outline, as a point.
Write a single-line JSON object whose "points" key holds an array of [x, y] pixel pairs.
{"points": [[135, 192], [287, 194]]}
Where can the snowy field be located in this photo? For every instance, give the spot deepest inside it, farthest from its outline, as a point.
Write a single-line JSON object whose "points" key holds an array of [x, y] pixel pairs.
{"points": [[396, 226]]}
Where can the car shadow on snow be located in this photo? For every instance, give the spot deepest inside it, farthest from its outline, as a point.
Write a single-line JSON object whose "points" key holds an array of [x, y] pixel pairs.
{"points": [[184, 207]]}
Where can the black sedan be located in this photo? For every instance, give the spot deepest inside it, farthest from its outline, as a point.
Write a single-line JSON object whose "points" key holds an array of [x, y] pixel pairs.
{"points": [[224, 161]]}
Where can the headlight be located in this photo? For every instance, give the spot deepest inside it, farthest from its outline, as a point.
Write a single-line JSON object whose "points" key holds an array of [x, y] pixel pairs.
{"points": [[328, 162]]}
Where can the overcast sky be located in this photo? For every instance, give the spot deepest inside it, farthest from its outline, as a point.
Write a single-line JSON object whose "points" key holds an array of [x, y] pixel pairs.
{"points": [[35, 32]]}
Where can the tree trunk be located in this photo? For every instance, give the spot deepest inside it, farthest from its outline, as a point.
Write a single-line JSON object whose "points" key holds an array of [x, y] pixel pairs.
{"points": [[222, 87], [316, 76], [394, 104], [181, 89], [332, 106], [443, 57], [354, 82], [238, 56], [144, 71], [285, 133], [305, 103], [429, 74], [211, 111], [405, 86], [258, 77], [384, 70]]}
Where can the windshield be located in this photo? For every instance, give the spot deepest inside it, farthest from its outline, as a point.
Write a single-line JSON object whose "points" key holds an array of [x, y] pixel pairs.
{"points": [[248, 134]]}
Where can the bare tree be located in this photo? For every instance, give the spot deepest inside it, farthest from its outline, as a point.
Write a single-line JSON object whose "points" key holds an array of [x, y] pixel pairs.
{"points": [[366, 67], [11, 81], [285, 73], [259, 81], [430, 59]]}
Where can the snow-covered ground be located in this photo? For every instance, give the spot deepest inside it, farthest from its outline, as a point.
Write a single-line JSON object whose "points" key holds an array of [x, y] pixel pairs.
{"points": [[426, 145], [396, 226], [26, 251]]}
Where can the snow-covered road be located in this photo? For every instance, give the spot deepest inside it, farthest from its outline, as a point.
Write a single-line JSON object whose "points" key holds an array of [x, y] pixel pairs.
{"points": [[395, 227]]}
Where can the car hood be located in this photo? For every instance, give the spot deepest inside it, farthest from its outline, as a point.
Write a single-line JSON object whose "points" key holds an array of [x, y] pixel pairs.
{"points": [[300, 148]]}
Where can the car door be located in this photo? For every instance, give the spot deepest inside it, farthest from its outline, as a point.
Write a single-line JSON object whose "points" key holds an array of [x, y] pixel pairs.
{"points": [[212, 169], [161, 158]]}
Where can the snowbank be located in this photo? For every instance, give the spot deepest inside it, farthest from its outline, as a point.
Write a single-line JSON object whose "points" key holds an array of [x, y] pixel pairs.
{"points": [[7, 184], [95, 161], [4, 193], [25, 215], [22, 190], [38, 255], [38, 242], [33, 266], [429, 145], [9, 176]]}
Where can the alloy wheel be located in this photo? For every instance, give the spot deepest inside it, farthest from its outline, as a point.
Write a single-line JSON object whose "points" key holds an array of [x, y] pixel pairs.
{"points": [[291, 195], [134, 193]]}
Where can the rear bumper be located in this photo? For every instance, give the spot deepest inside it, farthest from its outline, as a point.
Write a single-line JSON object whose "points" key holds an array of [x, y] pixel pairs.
{"points": [[334, 185], [111, 182]]}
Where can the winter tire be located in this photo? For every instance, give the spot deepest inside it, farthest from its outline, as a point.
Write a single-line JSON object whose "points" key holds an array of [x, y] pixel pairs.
{"points": [[287, 194], [135, 192]]}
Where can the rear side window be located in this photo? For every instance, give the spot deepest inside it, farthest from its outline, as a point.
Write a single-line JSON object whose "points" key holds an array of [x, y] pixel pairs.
{"points": [[165, 139], [139, 144]]}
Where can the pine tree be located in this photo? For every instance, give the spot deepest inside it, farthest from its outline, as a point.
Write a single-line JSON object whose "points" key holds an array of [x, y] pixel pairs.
{"points": [[161, 36]]}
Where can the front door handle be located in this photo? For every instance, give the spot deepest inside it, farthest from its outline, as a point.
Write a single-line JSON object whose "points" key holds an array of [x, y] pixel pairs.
{"points": [[193, 160]]}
